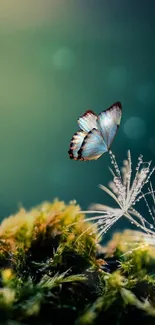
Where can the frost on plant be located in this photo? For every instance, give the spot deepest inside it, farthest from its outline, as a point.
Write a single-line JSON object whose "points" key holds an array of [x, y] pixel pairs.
{"points": [[126, 190]]}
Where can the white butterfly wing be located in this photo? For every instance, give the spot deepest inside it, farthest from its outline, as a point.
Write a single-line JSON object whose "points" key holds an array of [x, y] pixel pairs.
{"points": [[96, 134], [93, 146], [109, 121], [76, 143], [88, 121]]}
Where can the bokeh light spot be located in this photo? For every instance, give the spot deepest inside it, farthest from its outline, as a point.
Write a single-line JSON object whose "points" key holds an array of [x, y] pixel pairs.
{"points": [[63, 58], [134, 128]]}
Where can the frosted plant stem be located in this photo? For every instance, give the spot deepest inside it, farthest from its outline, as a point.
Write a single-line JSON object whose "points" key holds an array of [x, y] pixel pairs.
{"points": [[138, 224], [129, 173], [90, 227], [126, 193], [135, 249]]}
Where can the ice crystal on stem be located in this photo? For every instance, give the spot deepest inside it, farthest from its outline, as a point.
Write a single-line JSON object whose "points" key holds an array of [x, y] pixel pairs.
{"points": [[126, 191]]}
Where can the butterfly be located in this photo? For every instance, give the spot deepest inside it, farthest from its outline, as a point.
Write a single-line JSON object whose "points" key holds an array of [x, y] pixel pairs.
{"points": [[96, 133]]}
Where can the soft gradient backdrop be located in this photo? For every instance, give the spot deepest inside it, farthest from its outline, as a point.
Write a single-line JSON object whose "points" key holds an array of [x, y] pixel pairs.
{"points": [[59, 58]]}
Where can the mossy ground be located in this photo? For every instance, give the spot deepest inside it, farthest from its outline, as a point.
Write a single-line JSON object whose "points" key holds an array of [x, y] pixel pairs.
{"points": [[50, 274]]}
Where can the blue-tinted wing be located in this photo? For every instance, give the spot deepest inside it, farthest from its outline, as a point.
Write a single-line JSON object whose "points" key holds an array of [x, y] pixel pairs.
{"points": [[109, 121], [87, 122], [93, 146], [76, 143]]}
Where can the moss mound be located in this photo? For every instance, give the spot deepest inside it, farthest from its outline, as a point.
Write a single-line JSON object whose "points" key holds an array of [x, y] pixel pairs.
{"points": [[53, 271]]}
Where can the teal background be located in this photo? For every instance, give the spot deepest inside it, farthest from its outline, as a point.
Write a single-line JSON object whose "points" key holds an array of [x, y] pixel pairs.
{"points": [[58, 59]]}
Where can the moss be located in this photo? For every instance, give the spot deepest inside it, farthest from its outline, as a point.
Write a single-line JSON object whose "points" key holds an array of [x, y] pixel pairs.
{"points": [[52, 269]]}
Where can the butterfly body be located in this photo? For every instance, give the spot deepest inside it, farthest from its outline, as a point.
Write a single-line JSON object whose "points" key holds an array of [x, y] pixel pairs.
{"points": [[96, 133]]}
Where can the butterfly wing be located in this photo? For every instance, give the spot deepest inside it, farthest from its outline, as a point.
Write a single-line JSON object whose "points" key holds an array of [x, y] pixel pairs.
{"points": [[93, 146], [88, 121], [76, 143], [109, 121]]}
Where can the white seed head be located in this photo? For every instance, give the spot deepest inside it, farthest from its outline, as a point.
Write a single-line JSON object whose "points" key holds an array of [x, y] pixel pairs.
{"points": [[126, 190]]}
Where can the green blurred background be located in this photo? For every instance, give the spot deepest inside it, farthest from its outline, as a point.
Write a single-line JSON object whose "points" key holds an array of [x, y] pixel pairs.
{"points": [[59, 58]]}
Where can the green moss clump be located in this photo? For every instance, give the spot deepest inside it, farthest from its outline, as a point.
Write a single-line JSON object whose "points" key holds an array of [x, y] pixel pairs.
{"points": [[53, 270]]}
